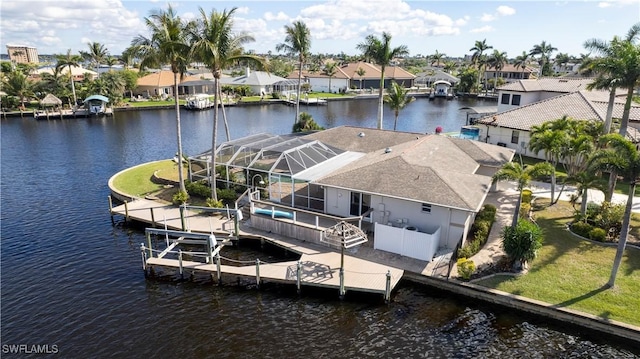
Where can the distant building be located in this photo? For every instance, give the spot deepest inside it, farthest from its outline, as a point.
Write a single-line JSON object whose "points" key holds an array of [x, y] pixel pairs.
{"points": [[22, 54]]}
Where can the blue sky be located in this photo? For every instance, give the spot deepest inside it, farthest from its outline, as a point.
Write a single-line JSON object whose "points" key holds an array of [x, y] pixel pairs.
{"points": [[450, 27]]}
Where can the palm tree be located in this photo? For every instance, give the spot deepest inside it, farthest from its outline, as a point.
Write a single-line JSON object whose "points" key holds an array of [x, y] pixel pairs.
{"points": [[379, 51], [69, 61], [397, 99], [522, 175], [561, 59], [521, 61], [544, 50], [622, 156], [361, 72], [550, 138], [619, 66], [167, 45], [585, 181], [214, 43], [497, 60], [478, 58], [449, 66], [16, 83], [330, 69], [111, 61], [436, 58], [97, 53], [297, 42], [127, 58]]}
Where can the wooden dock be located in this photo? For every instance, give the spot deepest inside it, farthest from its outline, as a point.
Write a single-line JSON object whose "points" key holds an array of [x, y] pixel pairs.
{"points": [[318, 266]]}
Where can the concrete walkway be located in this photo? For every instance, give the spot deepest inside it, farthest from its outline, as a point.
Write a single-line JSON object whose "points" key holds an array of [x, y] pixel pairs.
{"points": [[505, 199]]}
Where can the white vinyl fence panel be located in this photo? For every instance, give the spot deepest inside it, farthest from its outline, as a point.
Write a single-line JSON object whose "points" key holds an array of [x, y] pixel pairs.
{"points": [[405, 242]]}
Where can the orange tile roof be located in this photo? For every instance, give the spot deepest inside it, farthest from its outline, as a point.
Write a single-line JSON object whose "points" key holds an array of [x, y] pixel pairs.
{"points": [[157, 79]]}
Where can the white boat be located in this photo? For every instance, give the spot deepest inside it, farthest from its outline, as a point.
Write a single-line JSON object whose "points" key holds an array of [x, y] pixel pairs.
{"points": [[96, 104], [199, 102]]}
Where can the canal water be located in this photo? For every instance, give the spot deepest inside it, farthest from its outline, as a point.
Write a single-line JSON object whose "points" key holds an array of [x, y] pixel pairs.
{"points": [[72, 283]]}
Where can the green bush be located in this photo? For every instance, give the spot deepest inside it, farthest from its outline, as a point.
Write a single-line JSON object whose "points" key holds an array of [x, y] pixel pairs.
{"points": [[181, 197], [525, 208], [527, 196], [522, 242], [466, 268], [487, 213], [214, 204], [581, 228], [226, 195], [598, 234], [481, 231], [198, 189]]}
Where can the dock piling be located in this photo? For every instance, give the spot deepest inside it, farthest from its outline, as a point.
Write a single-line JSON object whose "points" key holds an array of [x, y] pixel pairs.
{"points": [[153, 218], [180, 264], [111, 209], [182, 217], [218, 270], [258, 273], [126, 212], [298, 277], [144, 258], [387, 291], [342, 283]]}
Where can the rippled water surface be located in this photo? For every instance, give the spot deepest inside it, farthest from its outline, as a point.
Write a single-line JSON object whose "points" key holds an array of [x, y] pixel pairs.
{"points": [[71, 279]]}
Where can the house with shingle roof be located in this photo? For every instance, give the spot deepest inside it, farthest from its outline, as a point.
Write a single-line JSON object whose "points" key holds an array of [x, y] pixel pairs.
{"points": [[399, 182], [510, 73], [320, 82], [260, 82]]}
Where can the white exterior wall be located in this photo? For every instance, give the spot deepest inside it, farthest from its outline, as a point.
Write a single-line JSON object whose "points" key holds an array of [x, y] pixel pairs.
{"points": [[321, 84], [453, 223], [503, 135], [525, 99]]}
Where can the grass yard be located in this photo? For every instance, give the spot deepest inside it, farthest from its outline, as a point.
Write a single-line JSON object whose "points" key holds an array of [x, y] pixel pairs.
{"points": [[571, 272], [137, 180]]}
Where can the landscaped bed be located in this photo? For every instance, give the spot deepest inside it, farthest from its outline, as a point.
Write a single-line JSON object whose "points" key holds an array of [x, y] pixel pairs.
{"points": [[571, 272]]}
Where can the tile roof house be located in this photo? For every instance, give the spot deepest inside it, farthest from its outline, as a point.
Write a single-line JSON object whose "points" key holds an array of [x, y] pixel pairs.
{"points": [[398, 182], [155, 84], [528, 103], [319, 81]]}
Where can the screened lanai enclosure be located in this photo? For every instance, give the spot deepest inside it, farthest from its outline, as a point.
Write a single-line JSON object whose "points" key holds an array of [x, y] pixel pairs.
{"points": [[282, 167]]}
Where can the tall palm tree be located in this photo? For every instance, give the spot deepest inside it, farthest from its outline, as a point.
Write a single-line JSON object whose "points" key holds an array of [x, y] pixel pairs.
{"points": [[622, 155], [544, 50], [361, 72], [214, 43], [522, 175], [437, 58], [97, 53], [397, 99], [297, 42], [521, 61], [69, 61], [618, 67], [167, 45], [549, 138], [478, 58], [585, 181], [497, 60], [449, 66], [330, 69], [379, 51]]}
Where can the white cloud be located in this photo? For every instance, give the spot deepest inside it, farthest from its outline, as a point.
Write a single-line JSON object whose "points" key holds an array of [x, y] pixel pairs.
{"points": [[242, 10], [280, 16], [505, 10], [487, 17], [604, 4], [486, 28]]}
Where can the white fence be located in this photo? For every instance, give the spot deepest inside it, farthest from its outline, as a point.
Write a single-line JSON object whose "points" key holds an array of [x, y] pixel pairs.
{"points": [[406, 242]]}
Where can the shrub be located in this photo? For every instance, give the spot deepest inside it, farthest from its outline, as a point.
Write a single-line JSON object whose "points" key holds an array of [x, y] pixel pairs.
{"points": [[525, 208], [527, 196], [482, 231], [199, 189], [180, 198], [466, 268], [487, 213], [226, 195], [522, 242], [214, 204], [598, 234], [581, 228]]}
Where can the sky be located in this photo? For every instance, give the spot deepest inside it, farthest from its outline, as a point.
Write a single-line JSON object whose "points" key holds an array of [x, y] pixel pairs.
{"points": [[447, 26]]}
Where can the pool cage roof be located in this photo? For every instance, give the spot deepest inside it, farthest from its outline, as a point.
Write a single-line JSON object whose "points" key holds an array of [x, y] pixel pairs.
{"points": [[278, 154]]}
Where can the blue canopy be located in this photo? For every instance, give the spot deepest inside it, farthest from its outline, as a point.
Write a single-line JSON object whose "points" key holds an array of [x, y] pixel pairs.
{"points": [[96, 97]]}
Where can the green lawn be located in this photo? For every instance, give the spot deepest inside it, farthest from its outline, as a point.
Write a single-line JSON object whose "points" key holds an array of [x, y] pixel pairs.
{"points": [[570, 272], [137, 181]]}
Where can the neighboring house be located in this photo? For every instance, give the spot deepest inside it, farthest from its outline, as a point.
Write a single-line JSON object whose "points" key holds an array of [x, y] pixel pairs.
{"points": [[568, 68], [196, 85], [319, 82], [370, 80], [155, 84], [260, 82], [525, 92], [511, 128], [399, 182], [79, 73], [509, 73], [432, 75]]}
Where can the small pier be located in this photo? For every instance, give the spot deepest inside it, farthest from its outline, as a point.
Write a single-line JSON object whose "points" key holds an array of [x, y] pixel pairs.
{"points": [[318, 266]]}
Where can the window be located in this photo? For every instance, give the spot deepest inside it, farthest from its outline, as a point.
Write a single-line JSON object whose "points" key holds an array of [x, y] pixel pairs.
{"points": [[426, 208], [515, 100], [515, 136], [360, 203], [505, 99]]}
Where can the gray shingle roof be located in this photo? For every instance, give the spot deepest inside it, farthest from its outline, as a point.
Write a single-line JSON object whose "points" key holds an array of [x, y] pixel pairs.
{"points": [[347, 138], [432, 169]]}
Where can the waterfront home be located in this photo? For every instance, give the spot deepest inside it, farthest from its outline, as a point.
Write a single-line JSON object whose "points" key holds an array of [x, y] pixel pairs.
{"points": [[510, 73], [158, 84], [371, 77], [320, 82], [511, 128], [403, 185], [260, 82], [79, 73], [432, 75]]}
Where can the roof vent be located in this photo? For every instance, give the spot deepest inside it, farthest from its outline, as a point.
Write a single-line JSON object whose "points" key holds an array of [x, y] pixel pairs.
{"points": [[387, 150], [361, 134]]}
